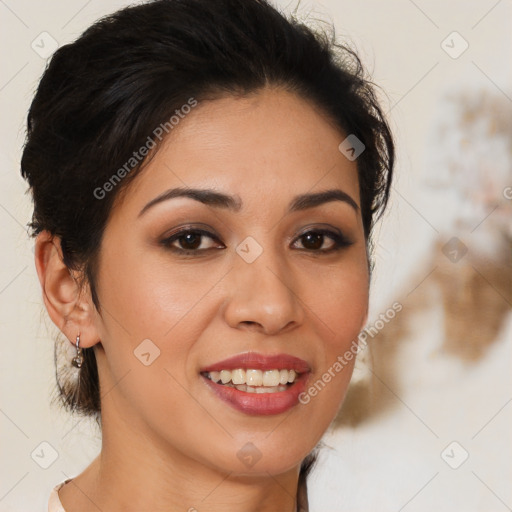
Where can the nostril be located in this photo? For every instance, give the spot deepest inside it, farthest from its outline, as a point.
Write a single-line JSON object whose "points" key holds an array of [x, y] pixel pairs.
{"points": [[251, 324]]}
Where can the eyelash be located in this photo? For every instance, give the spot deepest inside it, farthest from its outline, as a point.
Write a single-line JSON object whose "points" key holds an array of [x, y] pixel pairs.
{"points": [[340, 241]]}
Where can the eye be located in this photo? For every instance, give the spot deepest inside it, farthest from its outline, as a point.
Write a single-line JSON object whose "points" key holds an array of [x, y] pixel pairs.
{"points": [[322, 240], [192, 240]]}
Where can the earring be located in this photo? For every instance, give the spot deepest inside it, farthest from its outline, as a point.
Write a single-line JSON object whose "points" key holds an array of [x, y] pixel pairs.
{"points": [[78, 359]]}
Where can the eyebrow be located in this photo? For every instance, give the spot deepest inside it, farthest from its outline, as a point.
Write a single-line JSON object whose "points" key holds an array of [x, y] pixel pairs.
{"points": [[211, 197]]}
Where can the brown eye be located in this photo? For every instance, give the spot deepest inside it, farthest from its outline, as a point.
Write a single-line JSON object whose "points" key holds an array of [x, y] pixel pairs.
{"points": [[321, 241], [192, 240], [312, 241]]}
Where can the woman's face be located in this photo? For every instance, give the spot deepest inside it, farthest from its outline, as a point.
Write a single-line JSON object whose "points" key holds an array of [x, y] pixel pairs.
{"points": [[256, 262]]}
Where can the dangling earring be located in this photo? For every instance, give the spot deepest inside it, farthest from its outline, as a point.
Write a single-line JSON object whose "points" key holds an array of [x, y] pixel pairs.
{"points": [[78, 359]]}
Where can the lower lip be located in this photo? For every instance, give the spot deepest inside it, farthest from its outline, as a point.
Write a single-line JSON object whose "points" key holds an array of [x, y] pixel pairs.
{"points": [[264, 404]]}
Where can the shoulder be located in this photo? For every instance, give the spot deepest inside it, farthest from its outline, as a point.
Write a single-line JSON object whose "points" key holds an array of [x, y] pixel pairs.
{"points": [[54, 504]]}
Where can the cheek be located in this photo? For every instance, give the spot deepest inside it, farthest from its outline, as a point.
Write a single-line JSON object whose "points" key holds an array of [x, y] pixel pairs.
{"points": [[153, 314], [149, 295], [338, 296], [145, 297], [338, 301], [346, 305]]}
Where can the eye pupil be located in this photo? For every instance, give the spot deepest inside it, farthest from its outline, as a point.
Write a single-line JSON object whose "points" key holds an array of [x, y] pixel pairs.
{"points": [[190, 241], [313, 240]]}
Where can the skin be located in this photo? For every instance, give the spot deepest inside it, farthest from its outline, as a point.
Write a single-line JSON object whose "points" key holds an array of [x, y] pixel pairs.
{"points": [[168, 442]]}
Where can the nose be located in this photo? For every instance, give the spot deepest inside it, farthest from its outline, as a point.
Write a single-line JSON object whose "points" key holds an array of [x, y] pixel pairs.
{"points": [[262, 297]]}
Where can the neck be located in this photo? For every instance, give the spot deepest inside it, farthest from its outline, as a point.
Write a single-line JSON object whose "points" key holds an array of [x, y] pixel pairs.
{"points": [[136, 471]]}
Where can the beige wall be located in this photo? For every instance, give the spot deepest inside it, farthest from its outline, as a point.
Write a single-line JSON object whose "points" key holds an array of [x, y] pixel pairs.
{"points": [[431, 389]]}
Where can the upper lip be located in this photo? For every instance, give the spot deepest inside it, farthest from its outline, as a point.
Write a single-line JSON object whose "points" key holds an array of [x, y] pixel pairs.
{"points": [[256, 361]]}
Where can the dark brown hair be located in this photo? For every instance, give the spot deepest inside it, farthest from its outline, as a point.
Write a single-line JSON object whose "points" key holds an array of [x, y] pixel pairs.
{"points": [[103, 95]]}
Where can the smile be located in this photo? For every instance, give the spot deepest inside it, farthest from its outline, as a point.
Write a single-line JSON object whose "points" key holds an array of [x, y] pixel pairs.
{"points": [[257, 384], [254, 381]]}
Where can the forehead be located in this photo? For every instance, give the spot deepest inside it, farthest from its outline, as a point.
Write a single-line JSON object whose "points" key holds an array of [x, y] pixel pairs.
{"points": [[265, 147]]}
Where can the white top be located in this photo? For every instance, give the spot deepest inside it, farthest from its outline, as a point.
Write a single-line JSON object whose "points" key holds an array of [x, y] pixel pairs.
{"points": [[54, 504]]}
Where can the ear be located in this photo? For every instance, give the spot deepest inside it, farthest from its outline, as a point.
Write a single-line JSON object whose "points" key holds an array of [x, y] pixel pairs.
{"points": [[70, 311]]}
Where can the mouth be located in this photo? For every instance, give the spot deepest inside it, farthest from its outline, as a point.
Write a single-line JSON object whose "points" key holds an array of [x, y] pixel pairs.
{"points": [[253, 380], [257, 384]]}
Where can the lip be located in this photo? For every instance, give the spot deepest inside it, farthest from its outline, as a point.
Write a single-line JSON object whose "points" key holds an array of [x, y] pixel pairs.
{"points": [[264, 404], [255, 361]]}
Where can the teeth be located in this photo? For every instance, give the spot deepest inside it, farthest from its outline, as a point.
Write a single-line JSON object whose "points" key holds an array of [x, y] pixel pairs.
{"points": [[271, 377], [238, 377], [225, 376], [255, 381], [254, 377], [259, 389], [215, 376]]}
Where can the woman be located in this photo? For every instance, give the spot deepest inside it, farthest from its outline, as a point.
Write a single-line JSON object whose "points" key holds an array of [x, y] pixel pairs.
{"points": [[205, 177]]}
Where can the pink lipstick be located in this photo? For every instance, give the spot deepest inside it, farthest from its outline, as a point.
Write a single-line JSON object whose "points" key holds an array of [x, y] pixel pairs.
{"points": [[258, 384]]}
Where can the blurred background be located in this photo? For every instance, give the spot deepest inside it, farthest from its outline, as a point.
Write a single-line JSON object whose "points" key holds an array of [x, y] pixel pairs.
{"points": [[427, 420]]}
